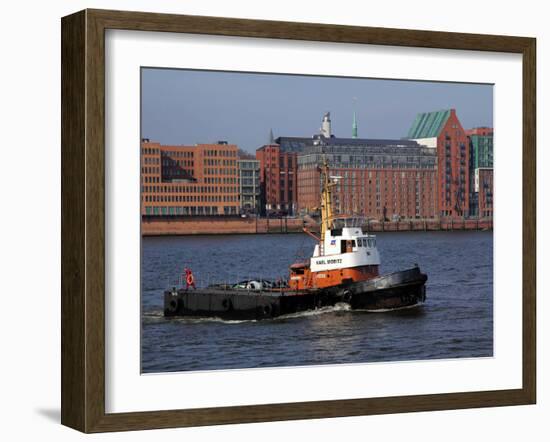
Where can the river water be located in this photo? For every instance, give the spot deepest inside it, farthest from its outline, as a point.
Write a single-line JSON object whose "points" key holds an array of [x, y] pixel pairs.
{"points": [[455, 322]]}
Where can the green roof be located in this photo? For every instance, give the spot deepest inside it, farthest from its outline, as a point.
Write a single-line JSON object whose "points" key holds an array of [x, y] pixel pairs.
{"points": [[428, 124]]}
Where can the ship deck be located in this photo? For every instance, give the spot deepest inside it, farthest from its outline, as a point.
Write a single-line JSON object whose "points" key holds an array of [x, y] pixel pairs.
{"points": [[275, 293]]}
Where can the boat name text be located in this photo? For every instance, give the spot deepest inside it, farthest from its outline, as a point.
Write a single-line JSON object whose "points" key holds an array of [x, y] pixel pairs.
{"points": [[329, 261]]}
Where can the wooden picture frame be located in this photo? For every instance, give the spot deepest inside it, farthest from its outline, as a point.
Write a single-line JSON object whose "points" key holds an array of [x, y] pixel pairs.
{"points": [[83, 220]]}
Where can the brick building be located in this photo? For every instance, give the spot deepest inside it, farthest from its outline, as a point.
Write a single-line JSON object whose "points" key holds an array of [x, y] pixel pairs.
{"points": [[443, 132], [277, 178], [440, 170], [481, 166], [483, 188], [380, 179], [189, 180]]}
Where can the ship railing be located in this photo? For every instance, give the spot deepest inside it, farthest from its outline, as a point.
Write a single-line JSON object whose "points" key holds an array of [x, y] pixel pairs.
{"points": [[340, 221], [204, 279]]}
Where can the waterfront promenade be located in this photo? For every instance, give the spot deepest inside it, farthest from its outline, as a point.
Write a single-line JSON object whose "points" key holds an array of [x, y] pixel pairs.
{"points": [[187, 225]]}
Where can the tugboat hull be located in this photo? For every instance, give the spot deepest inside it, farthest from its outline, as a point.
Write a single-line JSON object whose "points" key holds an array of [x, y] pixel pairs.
{"points": [[393, 291], [235, 304], [388, 292]]}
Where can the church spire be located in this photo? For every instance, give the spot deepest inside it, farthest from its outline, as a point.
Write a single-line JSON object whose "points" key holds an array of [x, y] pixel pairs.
{"points": [[271, 138], [354, 125]]}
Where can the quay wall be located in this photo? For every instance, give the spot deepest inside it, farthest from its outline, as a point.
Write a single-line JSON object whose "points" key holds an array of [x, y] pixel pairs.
{"points": [[234, 225]]}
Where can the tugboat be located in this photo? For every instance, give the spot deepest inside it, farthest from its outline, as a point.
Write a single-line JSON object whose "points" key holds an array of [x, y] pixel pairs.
{"points": [[344, 268], [346, 260]]}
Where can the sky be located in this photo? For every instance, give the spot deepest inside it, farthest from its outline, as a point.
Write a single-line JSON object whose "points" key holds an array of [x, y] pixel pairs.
{"points": [[190, 107]]}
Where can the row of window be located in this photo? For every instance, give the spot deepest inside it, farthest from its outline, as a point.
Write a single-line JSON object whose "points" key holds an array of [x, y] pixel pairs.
{"points": [[218, 162], [150, 170], [180, 163], [149, 160], [151, 179], [220, 171], [253, 165], [397, 213], [250, 182], [178, 153], [191, 198], [394, 183], [366, 242], [249, 173], [150, 151], [189, 189], [380, 165], [192, 210], [176, 171], [220, 180], [403, 205], [220, 153]]}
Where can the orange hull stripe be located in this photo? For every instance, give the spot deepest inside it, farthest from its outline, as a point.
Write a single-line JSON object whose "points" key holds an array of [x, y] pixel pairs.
{"points": [[331, 278]]}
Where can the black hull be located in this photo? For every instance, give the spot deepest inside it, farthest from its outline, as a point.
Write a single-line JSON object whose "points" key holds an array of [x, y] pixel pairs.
{"points": [[233, 304], [393, 291]]}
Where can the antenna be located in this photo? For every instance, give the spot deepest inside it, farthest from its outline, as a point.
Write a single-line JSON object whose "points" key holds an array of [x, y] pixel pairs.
{"points": [[354, 124]]}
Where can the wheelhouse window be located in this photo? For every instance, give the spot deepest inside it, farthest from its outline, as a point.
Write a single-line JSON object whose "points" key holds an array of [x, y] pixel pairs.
{"points": [[347, 245]]}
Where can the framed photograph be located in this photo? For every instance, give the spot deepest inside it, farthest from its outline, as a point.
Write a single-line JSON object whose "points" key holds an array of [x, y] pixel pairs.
{"points": [[268, 221]]}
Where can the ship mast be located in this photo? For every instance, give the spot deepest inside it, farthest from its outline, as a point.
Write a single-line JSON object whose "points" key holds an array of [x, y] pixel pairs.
{"points": [[326, 199]]}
